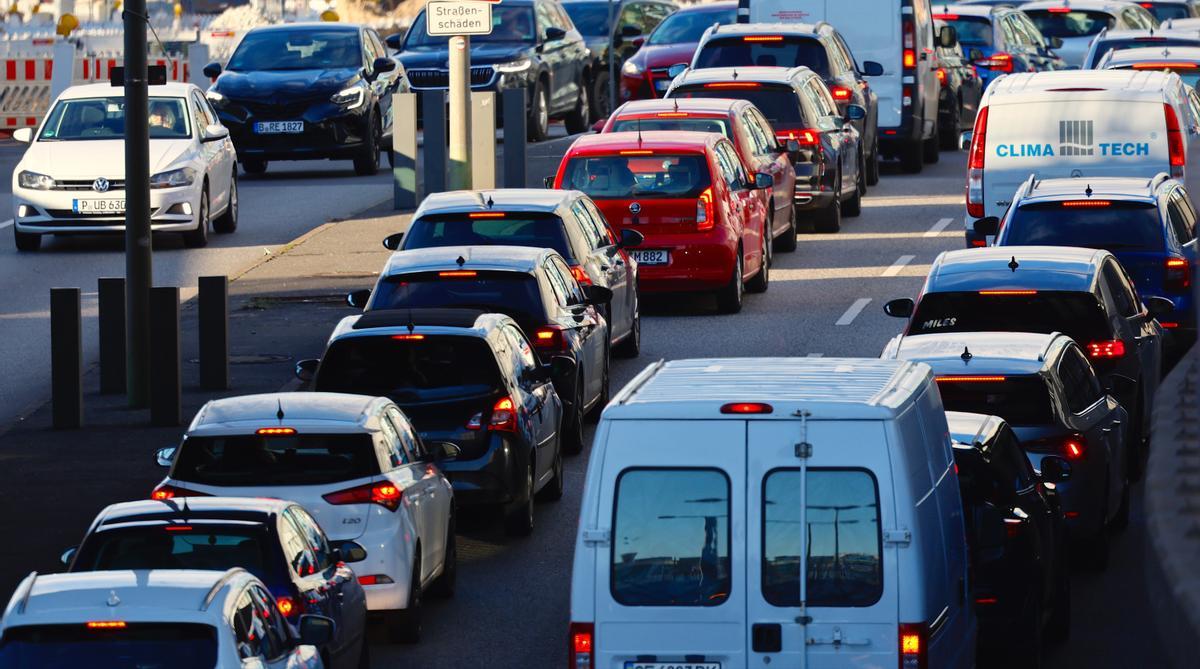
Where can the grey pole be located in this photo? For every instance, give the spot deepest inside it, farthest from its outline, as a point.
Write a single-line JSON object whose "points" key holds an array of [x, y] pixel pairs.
{"points": [[460, 112], [513, 101], [404, 145], [66, 358], [138, 261], [111, 298], [612, 60], [433, 155], [483, 140]]}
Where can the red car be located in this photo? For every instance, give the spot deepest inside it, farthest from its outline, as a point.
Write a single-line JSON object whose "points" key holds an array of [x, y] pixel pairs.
{"points": [[644, 74], [752, 135], [690, 197]]}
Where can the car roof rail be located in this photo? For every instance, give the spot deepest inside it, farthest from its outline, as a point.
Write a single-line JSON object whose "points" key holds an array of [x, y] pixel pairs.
{"points": [[219, 585], [1158, 179], [822, 24], [27, 586]]}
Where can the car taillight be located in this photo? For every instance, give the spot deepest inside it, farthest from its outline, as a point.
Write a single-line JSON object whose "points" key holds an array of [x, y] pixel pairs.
{"points": [[383, 493], [1108, 349], [1175, 142], [375, 579], [1179, 275], [999, 62], [908, 54], [705, 220], [1074, 447], [549, 338], [841, 93], [581, 275], [583, 646], [914, 639], [503, 418], [287, 606], [941, 75], [1013, 527], [975, 165], [166, 491]]}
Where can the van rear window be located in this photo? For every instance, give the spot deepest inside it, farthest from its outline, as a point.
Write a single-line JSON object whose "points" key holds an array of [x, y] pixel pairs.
{"points": [[651, 175], [1076, 314], [671, 538], [765, 51], [844, 545]]}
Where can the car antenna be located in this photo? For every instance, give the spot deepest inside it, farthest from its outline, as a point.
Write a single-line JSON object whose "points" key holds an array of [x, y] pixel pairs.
{"points": [[966, 354], [461, 261], [411, 326], [676, 101], [639, 122], [1013, 264], [279, 411], [1088, 191], [735, 73], [490, 202]]}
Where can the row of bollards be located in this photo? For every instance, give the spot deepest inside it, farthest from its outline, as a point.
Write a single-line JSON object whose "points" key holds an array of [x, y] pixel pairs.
{"points": [[166, 386]]}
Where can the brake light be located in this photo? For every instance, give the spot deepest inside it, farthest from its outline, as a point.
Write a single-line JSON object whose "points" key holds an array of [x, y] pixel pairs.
{"points": [[384, 493], [841, 93], [984, 601], [909, 45], [672, 114], [504, 416], [583, 646], [1074, 448], [549, 338], [747, 408], [1114, 348], [581, 275], [763, 38], [1149, 65], [705, 219], [1086, 203], [1059, 10], [1013, 527], [1007, 293], [734, 84], [1175, 141], [941, 75], [636, 152], [375, 579], [1179, 275], [975, 165], [458, 274], [165, 492], [409, 337], [971, 378], [946, 17], [999, 61], [914, 638], [178, 528], [106, 624], [486, 214], [287, 606], [275, 431]]}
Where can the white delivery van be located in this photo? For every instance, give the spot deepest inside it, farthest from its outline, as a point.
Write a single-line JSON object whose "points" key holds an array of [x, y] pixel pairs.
{"points": [[714, 484], [898, 34], [1080, 123]]}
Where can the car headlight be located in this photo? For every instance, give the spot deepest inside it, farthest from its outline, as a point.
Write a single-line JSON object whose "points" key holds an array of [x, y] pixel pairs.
{"points": [[35, 181], [515, 66], [184, 176], [216, 98], [631, 68], [350, 98]]}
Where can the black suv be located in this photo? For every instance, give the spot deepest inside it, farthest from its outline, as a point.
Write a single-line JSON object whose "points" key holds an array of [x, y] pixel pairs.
{"points": [[821, 49], [533, 46], [304, 91]]}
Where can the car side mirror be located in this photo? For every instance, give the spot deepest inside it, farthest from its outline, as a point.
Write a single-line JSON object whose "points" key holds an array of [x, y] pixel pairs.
{"points": [[986, 227], [871, 68], [562, 368], [214, 132], [901, 307], [165, 456], [631, 239], [548, 182], [762, 181], [964, 140], [677, 69], [23, 135], [392, 241], [1054, 42], [394, 40], [597, 295], [358, 298], [553, 34], [68, 555], [315, 630], [350, 551], [1159, 306], [306, 370], [947, 37], [445, 450], [1055, 469], [855, 112], [212, 70], [382, 65]]}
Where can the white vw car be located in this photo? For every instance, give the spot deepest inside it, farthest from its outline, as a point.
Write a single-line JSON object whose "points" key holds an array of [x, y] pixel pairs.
{"points": [[72, 177]]}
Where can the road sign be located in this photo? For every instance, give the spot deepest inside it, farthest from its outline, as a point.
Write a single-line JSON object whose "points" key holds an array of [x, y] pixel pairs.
{"points": [[458, 17]]}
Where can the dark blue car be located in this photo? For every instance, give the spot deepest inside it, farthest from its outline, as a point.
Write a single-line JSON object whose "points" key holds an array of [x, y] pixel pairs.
{"points": [[999, 40]]}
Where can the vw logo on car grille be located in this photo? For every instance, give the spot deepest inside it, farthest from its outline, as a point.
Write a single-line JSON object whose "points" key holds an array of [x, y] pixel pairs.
{"points": [[635, 208], [100, 185]]}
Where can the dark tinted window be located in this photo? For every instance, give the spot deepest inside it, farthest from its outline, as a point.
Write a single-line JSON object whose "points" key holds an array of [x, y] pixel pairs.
{"points": [[1156, 41], [1079, 381], [1122, 226], [1167, 10], [414, 370], [252, 460], [315, 49], [1079, 315], [540, 231], [843, 538], [1075, 23], [671, 541], [972, 31], [765, 51], [623, 177], [692, 124], [1020, 400], [590, 18], [778, 103], [197, 546], [140, 645], [510, 23], [688, 26], [514, 293]]}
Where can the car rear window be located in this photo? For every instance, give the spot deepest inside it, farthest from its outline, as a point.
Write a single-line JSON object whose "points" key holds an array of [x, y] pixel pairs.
{"points": [[671, 543], [765, 51], [844, 547], [778, 103], [409, 370], [274, 460], [689, 25], [509, 228], [1077, 314], [1075, 23], [972, 30], [1167, 10], [516, 294], [1122, 226], [141, 645], [179, 546], [659, 175], [1020, 400], [690, 124]]}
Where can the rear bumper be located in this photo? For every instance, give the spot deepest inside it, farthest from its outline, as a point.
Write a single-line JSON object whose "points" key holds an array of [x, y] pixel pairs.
{"points": [[700, 261], [1082, 497], [490, 478], [389, 554]]}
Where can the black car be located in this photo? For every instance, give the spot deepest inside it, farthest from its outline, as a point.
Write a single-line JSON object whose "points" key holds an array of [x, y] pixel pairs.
{"points": [[961, 90], [306, 91], [470, 382], [1015, 536], [532, 285], [634, 20], [532, 46], [277, 541]]}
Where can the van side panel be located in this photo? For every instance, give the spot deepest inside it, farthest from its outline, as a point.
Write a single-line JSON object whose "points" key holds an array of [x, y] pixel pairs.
{"points": [[583, 571], [921, 562]]}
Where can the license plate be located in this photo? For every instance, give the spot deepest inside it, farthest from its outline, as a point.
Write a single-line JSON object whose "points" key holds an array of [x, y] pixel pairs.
{"points": [[662, 84], [278, 127], [98, 206], [652, 257], [672, 665]]}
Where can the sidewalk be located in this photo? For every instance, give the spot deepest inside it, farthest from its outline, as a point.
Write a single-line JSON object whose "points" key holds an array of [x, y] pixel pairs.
{"points": [[281, 311]]}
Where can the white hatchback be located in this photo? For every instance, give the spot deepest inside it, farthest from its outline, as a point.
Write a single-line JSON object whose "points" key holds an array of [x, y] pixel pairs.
{"points": [[72, 177], [355, 463]]}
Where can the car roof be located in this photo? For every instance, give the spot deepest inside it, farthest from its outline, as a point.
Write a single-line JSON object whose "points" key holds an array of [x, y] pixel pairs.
{"points": [[753, 73], [985, 11], [257, 509], [691, 105], [790, 29], [707, 7], [972, 428], [1087, 5], [502, 199], [452, 322], [841, 388], [107, 90], [1122, 85], [144, 595], [308, 25], [316, 411], [1158, 54], [663, 140], [492, 258], [1059, 268], [1138, 189], [990, 352]]}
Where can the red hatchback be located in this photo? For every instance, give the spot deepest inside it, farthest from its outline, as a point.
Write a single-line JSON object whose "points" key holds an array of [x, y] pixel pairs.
{"points": [[644, 74], [751, 134], [692, 199]]}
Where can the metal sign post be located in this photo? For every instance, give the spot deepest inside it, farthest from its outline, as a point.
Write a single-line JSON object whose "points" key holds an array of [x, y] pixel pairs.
{"points": [[458, 20], [138, 269]]}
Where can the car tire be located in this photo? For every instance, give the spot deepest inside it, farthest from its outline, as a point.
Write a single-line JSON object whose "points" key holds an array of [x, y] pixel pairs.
{"points": [[729, 298], [786, 243], [577, 120], [853, 206], [554, 489], [912, 157], [1028, 653], [830, 219], [519, 521], [762, 281], [366, 163], [253, 166], [873, 165], [404, 626], [447, 582], [572, 433], [228, 221], [631, 345], [539, 114], [198, 238], [27, 242], [930, 150], [948, 133], [593, 416], [601, 104], [1058, 628]]}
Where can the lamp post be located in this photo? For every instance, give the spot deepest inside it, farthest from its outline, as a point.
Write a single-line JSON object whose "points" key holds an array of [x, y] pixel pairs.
{"points": [[138, 252]]}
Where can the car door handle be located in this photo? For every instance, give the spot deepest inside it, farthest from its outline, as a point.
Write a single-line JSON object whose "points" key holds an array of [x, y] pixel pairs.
{"points": [[1106, 430]]}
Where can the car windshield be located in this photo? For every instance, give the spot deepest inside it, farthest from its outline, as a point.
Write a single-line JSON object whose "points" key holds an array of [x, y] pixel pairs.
{"points": [[1189, 72], [104, 118], [590, 18], [514, 293], [972, 30], [198, 545], [1020, 400], [778, 103], [314, 49], [683, 26], [510, 23], [764, 51], [1074, 23], [1167, 10], [1122, 226], [692, 123], [410, 370], [658, 175], [132, 645], [275, 460], [512, 228], [1077, 314]]}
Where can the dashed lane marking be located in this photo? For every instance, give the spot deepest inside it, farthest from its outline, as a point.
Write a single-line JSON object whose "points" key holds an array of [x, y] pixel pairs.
{"points": [[898, 266], [938, 227], [5, 224], [853, 312], [816, 355]]}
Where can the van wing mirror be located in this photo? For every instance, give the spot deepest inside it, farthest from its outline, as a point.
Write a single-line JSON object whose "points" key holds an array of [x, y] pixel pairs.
{"points": [[901, 307], [1055, 469], [358, 298], [306, 370], [392, 242], [947, 37], [871, 68], [986, 227], [165, 456]]}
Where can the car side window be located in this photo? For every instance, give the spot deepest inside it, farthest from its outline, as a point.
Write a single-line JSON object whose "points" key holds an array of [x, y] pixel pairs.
{"points": [[521, 348], [822, 97], [312, 534], [410, 443], [1122, 293], [202, 112], [1009, 449], [556, 285], [764, 126], [729, 169], [584, 218], [276, 637], [574, 292], [755, 134], [1079, 380], [377, 44], [655, 14], [545, 18], [295, 549], [631, 14], [601, 223], [1182, 222], [248, 630], [391, 442]]}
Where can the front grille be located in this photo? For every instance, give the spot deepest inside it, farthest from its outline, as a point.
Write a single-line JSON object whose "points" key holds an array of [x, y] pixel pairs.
{"points": [[86, 184], [480, 76], [289, 111], [69, 217]]}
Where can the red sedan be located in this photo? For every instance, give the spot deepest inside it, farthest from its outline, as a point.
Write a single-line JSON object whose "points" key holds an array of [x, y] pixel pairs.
{"points": [[692, 199], [751, 134], [644, 74]]}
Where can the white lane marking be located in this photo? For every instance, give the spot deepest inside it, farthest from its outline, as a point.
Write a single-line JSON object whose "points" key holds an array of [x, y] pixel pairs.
{"points": [[853, 312], [897, 266], [938, 227], [5, 224], [816, 355]]}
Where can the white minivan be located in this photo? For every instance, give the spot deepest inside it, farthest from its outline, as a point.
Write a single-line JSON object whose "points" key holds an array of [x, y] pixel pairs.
{"points": [[1081, 123], [713, 484]]}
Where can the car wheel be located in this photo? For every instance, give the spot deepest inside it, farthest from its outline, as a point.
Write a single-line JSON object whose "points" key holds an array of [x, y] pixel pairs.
{"points": [[786, 243], [762, 280], [873, 165], [252, 166], [601, 104], [602, 401], [729, 298], [404, 626], [519, 522], [366, 162], [577, 120], [631, 345], [539, 114], [948, 135], [853, 206], [572, 437], [1028, 653], [445, 585], [554, 489], [830, 220], [198, 238], [227, 222], [911, 157], [26, 241], [930, 151]]}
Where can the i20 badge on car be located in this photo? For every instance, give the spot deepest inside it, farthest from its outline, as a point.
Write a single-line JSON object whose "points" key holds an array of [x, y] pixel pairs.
{"points": [[101, 185]]}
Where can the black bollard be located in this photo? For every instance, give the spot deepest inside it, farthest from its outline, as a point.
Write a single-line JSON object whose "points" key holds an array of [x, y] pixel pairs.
{"points": [[515, 130], [66, 358], [435, 154], [214, 332], [111, 293], [166, 406]]}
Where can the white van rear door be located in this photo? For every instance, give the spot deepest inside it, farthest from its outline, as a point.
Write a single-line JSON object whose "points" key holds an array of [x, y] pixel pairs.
{"points": [[851, 589], [670, 591]]}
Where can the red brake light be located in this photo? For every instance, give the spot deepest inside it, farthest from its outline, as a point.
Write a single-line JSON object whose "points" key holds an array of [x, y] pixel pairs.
{"points": [[806, 138], [1151, 65], [275, 431], [1007, 293], [165, 492], [549, 338], [941, 75], [1074, 449], [986, 600], [1114, 348], [908, 54], [1000, 62], [1175, 141], [458, 274], [705, 218], [486, 214], [178, 528], [384, 493], [975, 165], [946, 17], [672, 114], [583, 646], [842, 94], [375, 579], [408, 337], [971, 378], [763, 38], [1179, 276], [1086, 203], [1013, 527], [747, 408], [734, 84], [106, 624], [914, 638], [504, 416], [1059, 10], [286, 605], [581, 275], [636, 152]]}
